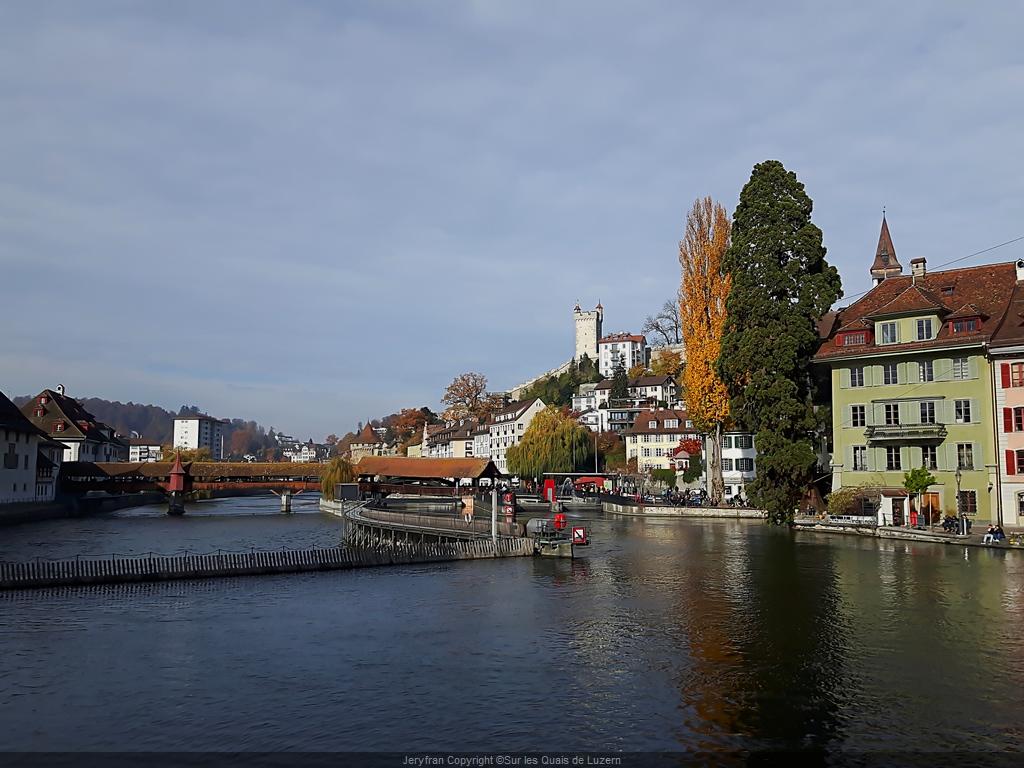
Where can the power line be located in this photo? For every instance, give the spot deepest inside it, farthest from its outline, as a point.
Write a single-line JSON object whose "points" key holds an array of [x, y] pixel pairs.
{"points": [[947, 263]]}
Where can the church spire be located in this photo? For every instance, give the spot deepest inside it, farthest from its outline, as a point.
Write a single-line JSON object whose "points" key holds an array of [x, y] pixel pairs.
{"points": [[885, 264]]}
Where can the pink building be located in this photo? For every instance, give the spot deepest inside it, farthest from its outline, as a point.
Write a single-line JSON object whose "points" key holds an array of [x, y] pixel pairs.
{"points": [[1007, 353]]}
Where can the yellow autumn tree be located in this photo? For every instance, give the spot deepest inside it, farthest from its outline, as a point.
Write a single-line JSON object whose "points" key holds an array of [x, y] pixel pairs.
{"points": [[702, 311]]}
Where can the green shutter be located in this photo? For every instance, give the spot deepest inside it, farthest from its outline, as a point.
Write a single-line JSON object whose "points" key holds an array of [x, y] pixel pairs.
{"points": [[844, 378]]}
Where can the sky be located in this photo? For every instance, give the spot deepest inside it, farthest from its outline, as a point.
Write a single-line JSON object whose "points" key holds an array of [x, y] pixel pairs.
{"points": [[315, 213]]}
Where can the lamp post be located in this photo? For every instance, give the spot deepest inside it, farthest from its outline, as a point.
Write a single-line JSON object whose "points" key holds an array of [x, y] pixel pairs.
{"points": [[959, 512]]}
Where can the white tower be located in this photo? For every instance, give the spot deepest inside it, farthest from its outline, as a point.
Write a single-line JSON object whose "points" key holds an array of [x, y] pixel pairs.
{"points": [[588, 331]]}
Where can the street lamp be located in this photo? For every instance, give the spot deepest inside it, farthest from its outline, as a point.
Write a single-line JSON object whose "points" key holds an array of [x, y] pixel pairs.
{"points": [[959, 512]]}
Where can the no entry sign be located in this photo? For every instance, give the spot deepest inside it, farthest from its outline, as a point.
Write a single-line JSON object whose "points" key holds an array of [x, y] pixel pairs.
{"points": [[579, 536]]}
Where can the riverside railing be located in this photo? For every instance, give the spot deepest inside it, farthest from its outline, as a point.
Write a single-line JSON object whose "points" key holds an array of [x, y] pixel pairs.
{"points": [[155, 567]]}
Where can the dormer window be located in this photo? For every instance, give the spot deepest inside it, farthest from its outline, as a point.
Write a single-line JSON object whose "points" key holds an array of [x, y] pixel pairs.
{"points": [[890, 333], [39, 413], [652, 424], [58, 427], [43, 399], [855, 339], [924, 329], [967, 325]]}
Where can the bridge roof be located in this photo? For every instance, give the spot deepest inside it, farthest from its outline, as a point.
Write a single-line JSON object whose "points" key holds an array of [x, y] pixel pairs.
{"points": [[415, 468], [197, 470]]}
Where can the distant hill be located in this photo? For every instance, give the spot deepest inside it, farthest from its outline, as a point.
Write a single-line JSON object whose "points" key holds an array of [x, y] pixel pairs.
{"points": [[157, 424]]}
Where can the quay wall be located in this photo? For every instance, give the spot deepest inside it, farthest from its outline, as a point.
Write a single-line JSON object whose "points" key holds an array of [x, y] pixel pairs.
{"points": [[639, 510], [14, 514], [87, 571]]}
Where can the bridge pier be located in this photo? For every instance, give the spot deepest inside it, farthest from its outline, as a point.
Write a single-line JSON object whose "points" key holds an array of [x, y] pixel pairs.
{"points": [[176, 503], [286, 502]]}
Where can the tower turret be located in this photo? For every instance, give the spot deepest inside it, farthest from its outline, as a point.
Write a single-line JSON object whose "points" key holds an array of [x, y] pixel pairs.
{"points": [[885, 263]]}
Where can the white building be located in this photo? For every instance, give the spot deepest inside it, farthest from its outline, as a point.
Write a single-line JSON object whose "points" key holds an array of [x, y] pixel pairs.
{"points": [[507, 428], [196, 431], [654, 437], [588, 331], [585, 398], [591, 419], [482, 442], [454, 440], [63, 419], [20, 448], [739, 462], [649, 390], [143, 450], [627, 349]]}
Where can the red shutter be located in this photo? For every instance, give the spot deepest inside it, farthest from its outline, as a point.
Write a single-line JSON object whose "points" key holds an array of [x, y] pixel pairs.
{"points": [[1005, 374], [1011, 463], [1007, 420]]}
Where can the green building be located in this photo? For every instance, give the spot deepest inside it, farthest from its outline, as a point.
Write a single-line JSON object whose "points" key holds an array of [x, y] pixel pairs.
{"points": [[912, 387]]}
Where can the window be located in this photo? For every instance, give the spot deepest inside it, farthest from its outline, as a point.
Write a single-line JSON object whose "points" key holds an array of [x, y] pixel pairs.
{"points": [[892, 458], [965, 326], [727, 442], [930, 457], [853, 339], [860, 458], [689, 424], [962, 411], [1017, 374], [727, 465], [969, 502], [890, 373], [745, 465], [924, 330], [728, 490], [58, 427], [647, 452], [965, 456], [928, 412], [858, 417], [652, 425], [961, 368], [1018, 419], [671, 423], [746, 442], [892, 414], [890, 333], [1019, 456], [857, 377], [926, 371]]}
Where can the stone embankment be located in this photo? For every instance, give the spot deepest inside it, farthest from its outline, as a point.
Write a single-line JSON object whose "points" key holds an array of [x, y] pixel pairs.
{"points": [[658, 510]]}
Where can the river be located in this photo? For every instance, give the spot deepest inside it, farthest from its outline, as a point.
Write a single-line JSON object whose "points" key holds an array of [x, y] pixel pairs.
{"points": [[667, 635]]}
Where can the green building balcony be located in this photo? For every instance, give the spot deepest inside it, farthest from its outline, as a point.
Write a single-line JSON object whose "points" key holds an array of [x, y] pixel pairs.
{"points": [[904, 433]]}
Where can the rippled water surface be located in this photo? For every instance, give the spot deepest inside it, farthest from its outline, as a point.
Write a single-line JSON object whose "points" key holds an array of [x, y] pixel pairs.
{"points": [[667, 635]]}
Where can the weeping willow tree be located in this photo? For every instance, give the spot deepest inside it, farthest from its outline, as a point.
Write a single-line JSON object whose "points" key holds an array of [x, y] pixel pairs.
{"points": [[339, 470], [554, 442]]}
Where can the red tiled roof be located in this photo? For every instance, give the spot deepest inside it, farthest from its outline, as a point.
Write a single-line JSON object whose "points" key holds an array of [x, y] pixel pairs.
{"points": [[967, 310], [367, 437], [914, 299], [1010, 332], [414, 468], [987, 287], [644, 418], [617, 337]]}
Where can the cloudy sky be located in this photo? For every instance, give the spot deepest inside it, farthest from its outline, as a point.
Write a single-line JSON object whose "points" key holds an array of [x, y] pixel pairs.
{"points": [[310, 213]]}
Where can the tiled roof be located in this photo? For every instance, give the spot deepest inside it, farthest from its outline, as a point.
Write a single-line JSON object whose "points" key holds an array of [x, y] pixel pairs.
{"points": [[620, 337], [1010, 332], [987, 287], [967, 310], [79, 424], [644, 418], [914, 298], [367, 437], [642, 381], [11, 417], [517, 407], [414, 468]]}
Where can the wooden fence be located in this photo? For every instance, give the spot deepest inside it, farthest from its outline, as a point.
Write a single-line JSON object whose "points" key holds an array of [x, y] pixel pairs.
{"points": [[114, 570]]}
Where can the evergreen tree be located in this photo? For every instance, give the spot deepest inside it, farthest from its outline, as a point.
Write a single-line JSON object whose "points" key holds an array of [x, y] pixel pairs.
{"points": [[781, 286], [620, 383]]}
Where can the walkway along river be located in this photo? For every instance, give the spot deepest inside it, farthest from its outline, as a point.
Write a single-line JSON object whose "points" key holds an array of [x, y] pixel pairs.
{"points": [[669, 635]]}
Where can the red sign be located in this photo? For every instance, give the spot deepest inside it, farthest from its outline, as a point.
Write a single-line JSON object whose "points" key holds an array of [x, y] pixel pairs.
{"points": [[579, 536]]}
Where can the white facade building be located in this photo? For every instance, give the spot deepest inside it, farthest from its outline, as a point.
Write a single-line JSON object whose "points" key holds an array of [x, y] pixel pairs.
{"points": [[739, 462], [627, 349], [20, 449], [507, 428], [64, 419], [588, 331], [144, 451], [199, 431], [653, 390], [585, 398]]}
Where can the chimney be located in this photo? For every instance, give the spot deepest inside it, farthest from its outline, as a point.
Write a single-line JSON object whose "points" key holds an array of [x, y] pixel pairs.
{"points": [[60, 390], [1020, 270], [918, 267]]}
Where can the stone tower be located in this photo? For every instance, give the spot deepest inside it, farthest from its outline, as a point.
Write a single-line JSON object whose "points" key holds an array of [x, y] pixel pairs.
{"points": [[588, 331], [885, 263]]}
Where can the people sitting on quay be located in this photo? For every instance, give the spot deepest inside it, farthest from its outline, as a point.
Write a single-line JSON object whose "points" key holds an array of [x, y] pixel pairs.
{"points": [[993, 535]]}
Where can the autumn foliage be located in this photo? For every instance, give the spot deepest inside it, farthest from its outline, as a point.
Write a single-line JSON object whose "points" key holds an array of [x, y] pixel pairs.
{"points": [[705, 287]]}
